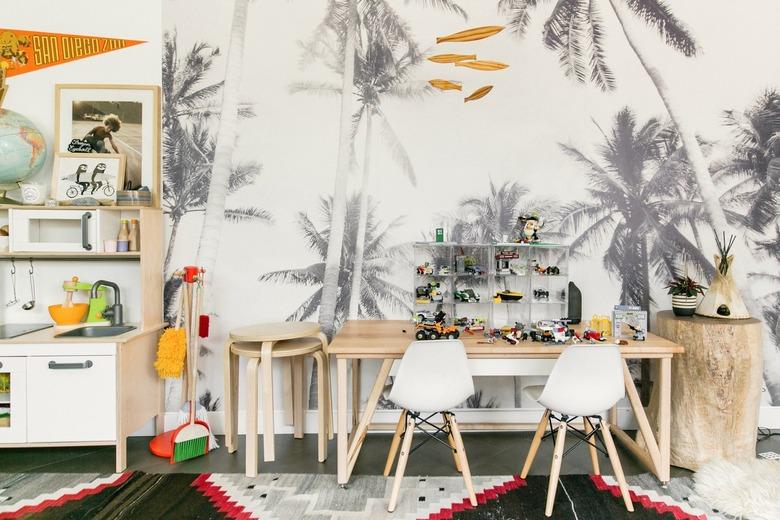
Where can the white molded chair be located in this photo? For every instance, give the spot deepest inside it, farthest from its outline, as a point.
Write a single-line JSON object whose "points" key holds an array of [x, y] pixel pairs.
{"points": [[433, 377], [585, 381]]}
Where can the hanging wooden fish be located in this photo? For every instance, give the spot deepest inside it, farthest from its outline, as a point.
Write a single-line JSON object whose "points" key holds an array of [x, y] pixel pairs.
{"points": [[479, 93], [444, 84], [470, 35], [451, 58], [482, 65]]}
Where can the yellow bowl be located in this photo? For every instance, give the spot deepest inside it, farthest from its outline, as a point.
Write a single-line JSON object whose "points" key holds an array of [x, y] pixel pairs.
{"points": [[68, 315]]}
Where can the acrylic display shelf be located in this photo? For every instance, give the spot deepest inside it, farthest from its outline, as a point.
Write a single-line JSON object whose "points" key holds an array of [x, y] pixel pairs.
{"points": [[487, 269]]}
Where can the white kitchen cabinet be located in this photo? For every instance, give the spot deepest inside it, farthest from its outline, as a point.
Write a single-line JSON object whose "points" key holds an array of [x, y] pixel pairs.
{"points": [[71, 398], [61, 231], [13, 409], [80, 393]]}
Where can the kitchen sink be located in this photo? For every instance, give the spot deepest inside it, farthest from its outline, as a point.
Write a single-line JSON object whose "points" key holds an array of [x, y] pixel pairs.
{"points": [[96, 331]]}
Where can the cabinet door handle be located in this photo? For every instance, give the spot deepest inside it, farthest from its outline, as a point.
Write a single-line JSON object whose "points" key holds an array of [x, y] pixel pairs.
{"points": [[53, 365], [85, 231], [1, 364]]}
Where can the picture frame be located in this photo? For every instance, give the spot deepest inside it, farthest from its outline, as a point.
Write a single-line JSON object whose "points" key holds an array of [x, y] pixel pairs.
{"points": [[81, 178], [111, 119]]}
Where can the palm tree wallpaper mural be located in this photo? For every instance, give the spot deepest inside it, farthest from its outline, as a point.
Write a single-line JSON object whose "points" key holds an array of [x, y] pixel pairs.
{"points": [[313, 126]]}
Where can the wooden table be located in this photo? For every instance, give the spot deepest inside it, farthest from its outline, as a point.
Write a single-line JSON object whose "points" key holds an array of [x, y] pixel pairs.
{"points": [[387, 340], [265, 335]]}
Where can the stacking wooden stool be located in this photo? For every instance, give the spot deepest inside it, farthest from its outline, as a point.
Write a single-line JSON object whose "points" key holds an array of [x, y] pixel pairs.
{"points": [[261, 344]]}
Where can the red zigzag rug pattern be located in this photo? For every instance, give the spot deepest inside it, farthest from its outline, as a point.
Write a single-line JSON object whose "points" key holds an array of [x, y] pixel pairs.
{"points": [[301, 496]]}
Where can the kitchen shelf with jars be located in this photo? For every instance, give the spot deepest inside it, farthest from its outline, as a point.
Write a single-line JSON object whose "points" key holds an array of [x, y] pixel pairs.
{"points": [[490, 285]]}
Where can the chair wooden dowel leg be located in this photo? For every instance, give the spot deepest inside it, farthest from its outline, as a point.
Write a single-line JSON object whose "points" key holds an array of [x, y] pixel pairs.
{"points": [[537, 440], [555, 470], [451, 441], [399, 430], [594, 453], [616, 467], [464, 463], [401, 467]]}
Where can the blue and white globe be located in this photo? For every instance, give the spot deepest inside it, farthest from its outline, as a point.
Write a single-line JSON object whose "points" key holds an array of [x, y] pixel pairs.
{"points": [[22, 148]]}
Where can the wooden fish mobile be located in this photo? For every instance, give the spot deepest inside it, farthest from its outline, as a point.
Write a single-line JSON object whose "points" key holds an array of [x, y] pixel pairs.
{"points": [[451, 58], [443, 84], [482, 65], [479, 93], [470, 35]]}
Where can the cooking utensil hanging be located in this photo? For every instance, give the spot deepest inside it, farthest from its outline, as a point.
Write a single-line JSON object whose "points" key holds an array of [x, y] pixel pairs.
{"points": [[14, 300], [30, 304]]}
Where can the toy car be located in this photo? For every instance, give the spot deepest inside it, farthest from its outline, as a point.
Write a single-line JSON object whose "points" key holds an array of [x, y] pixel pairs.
{"points": [[592, 335], [546, 269], [462, 322], [424, 269], [466, 296], [422, 294], [541, 294], [507, 296], [425, 316], [444, 270], [426, 331], [475, 270]]}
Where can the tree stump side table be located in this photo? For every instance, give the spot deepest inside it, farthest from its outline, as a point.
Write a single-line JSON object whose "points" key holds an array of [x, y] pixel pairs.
{"points": [[716, 388]]}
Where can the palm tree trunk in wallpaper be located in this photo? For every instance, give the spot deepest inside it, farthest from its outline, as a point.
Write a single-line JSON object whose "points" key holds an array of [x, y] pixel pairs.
{"points": [[226, 140], [330, 283], [687, 134], [360, 241], [171, 243]]}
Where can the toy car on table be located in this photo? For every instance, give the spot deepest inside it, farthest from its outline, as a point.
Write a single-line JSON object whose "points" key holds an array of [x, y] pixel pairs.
{"points": [[436, 330]]}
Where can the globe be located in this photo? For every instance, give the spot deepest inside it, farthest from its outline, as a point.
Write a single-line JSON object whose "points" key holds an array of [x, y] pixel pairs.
{"points": [[22, 148]]}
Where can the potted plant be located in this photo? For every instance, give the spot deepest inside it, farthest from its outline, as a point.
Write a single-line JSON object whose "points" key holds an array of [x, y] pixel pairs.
{"points": [[685, 293]]}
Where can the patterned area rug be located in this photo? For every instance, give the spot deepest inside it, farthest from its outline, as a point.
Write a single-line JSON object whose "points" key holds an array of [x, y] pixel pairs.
{"points": [[318, 497]]}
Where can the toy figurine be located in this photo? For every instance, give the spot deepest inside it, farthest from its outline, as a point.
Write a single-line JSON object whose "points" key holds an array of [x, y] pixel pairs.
{"points": [[528, 226], [444, 270], [639, 334]]}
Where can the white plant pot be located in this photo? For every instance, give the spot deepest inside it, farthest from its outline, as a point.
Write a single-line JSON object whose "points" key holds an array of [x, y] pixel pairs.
{"points": [[684, 305]]}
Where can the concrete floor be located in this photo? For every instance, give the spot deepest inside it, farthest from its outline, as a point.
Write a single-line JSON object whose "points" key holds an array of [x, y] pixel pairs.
{"points": [[489, 453]]}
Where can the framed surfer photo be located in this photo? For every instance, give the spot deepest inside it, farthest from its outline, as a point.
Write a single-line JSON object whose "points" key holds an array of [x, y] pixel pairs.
{"points": [[87, 179], [113, 119]]}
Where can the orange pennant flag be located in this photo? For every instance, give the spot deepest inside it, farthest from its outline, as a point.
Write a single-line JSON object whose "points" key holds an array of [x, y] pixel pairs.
{"points": [[24, 51]]}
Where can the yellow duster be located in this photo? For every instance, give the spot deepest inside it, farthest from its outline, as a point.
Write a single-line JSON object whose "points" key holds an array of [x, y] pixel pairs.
{"points": [[171, 351]]}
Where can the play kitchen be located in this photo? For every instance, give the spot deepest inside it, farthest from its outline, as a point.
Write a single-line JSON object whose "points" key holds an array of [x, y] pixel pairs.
{"points": [[81, 312]]}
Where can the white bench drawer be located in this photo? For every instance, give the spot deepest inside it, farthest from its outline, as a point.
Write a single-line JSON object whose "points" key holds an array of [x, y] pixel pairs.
{"points": [[71, 398]]}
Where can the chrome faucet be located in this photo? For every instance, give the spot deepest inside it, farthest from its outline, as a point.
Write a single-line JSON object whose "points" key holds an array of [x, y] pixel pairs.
{"points": [[113, 312]]}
